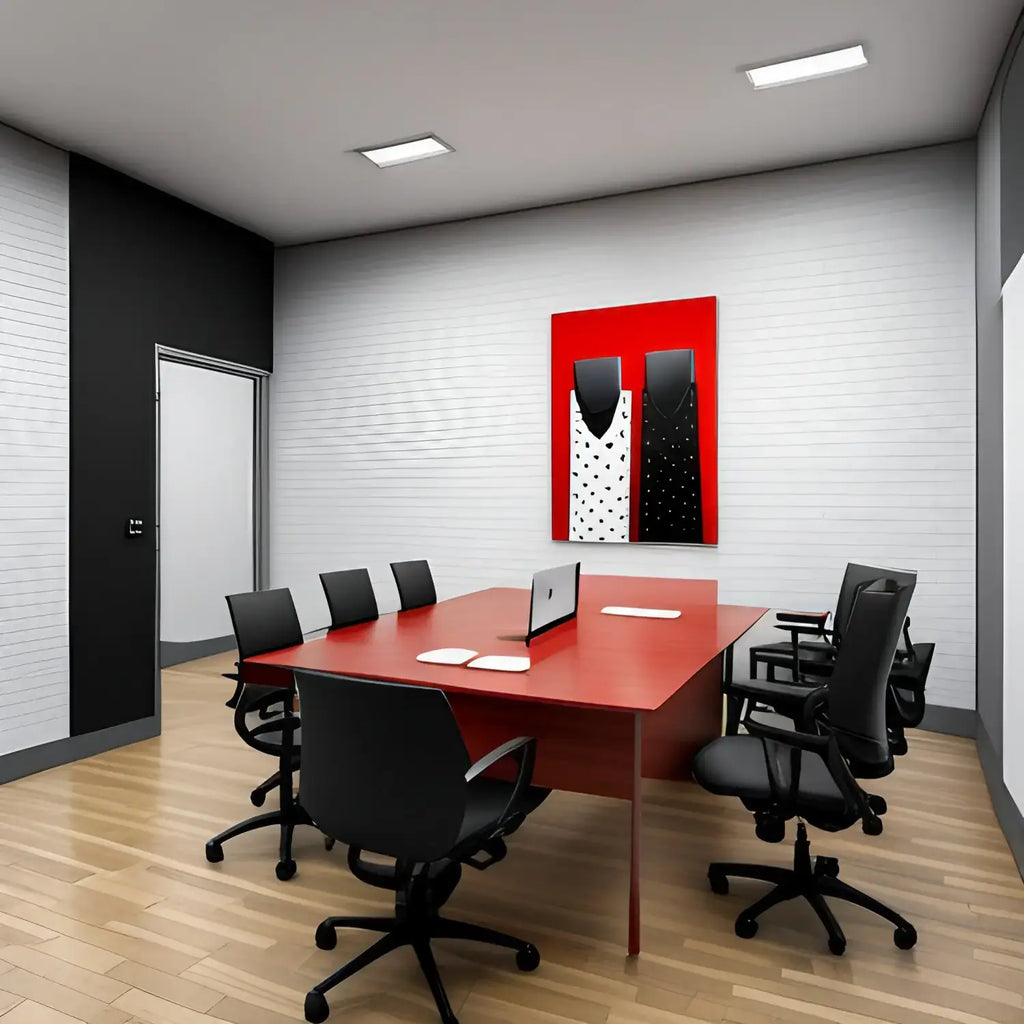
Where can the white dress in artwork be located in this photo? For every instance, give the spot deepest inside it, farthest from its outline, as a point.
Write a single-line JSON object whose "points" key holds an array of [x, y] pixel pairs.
{"points": [[599, 475]]}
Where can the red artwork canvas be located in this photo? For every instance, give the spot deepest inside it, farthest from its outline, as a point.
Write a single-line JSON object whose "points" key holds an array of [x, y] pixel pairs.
{"points": [[634, 423]]}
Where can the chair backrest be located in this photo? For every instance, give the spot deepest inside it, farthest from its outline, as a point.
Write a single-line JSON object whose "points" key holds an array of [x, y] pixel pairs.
{"points": [[264, 620], [854, 579], [383, 765], [350, 598], [859, 682], [415, 584]]}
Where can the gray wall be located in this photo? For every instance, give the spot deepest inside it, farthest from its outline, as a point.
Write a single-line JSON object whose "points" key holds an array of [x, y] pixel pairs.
{"points": [[999, 242], [990, 426]]}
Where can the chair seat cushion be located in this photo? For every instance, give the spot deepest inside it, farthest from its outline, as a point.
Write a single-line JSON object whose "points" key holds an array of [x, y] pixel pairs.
{"points": [[739, 766], [815, 649], [486, 799]]}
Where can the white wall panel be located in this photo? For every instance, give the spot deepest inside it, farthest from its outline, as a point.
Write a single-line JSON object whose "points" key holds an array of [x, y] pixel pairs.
{"points": [[1013, 534], [410, 401], [34, 698]]}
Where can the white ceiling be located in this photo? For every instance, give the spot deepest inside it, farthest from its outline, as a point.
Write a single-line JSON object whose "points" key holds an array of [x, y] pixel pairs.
{"points": [[249, 108]]}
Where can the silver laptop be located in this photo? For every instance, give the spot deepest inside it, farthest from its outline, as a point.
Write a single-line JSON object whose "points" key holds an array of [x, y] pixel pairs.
{"points": [[554, 598]]}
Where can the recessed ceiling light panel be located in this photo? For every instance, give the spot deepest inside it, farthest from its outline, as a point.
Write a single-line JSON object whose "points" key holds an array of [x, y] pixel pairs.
{"points": [[405, 152], [835, 62]]}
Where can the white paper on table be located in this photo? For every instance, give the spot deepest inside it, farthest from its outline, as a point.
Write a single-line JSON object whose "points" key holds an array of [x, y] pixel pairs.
{"points": [[501, 663], [447, 656], [642, 613]]}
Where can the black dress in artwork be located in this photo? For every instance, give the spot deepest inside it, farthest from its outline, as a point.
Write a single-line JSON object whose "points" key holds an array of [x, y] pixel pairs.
{"points": [[670, 508]]}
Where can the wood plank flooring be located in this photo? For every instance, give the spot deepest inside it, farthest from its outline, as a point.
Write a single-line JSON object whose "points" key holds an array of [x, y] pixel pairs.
{"points": [[109, 913]]}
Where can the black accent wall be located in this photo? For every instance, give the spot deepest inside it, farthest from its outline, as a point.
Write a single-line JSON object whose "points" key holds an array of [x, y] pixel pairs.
{"points": [[146, 270]]}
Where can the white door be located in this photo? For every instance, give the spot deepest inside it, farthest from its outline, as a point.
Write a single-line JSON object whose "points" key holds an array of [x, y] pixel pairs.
{"points": [[207, 465]]}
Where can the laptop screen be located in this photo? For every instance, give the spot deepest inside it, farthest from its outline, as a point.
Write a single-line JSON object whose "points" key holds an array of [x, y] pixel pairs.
{"points": [[553, 598]]}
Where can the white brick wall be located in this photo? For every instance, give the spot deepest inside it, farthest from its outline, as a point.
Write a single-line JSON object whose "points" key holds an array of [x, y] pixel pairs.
{"points": [[410, 399], [33, 442]]}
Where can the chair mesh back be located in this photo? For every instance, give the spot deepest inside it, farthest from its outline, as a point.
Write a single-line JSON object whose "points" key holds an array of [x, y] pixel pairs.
{"points": [[383, 765], [907, 683], [264, 621], [854, 579], [857, 688], [415, 584], [350, 597]]}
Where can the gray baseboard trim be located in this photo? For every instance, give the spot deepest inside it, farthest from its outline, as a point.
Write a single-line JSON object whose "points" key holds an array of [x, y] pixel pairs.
{"points": [[48, 755], [176, 653], [1011, 821], [951, 721]]}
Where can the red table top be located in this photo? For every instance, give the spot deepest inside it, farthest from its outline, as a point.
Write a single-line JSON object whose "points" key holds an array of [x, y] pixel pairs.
{"points": [[606, 661]]}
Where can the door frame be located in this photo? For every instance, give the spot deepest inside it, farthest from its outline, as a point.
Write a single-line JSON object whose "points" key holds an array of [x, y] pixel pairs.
{"points": [[260, 479]]}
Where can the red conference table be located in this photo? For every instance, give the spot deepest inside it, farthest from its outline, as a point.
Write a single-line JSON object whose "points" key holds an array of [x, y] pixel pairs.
{"points": [[610, 699]]}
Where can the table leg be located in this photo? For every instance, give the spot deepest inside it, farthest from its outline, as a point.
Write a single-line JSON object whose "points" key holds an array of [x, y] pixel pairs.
{"points": [[636, 807]]}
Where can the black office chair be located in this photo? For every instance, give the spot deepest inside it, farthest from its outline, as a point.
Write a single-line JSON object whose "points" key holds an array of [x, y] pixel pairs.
{"points": [[415, 584], [350, 597], [385, 770], [818, 652], [810, 665], [809, 773], [905, 696], [266, 621]]}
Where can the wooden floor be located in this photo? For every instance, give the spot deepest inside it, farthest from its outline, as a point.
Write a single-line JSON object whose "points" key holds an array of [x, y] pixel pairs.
{"points": [[109, 912]]}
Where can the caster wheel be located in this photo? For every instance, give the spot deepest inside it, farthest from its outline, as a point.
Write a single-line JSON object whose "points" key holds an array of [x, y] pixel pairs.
{"points": [[328, 842], [326, 937], [718, 882], [527, 958], [316, 1008], [746, 927], [905, 937], [285, 869], [878, 804], [899, 747], [872, 827], [837, 947], [257, 798], [214, 852]]}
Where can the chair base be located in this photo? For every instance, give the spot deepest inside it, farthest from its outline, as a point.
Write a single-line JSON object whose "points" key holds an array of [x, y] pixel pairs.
{"points": [[416, 923], [258, 796], [812, 880], [286, 819]]}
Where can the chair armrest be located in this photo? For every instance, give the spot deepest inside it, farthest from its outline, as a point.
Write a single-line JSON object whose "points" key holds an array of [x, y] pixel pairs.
{"points": [[799, 629], [286, 723], [811, 741], [282, 696], [806, 618], [523, 750], [909, 655], [498, 753], [828, 748], [278, 695]]}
